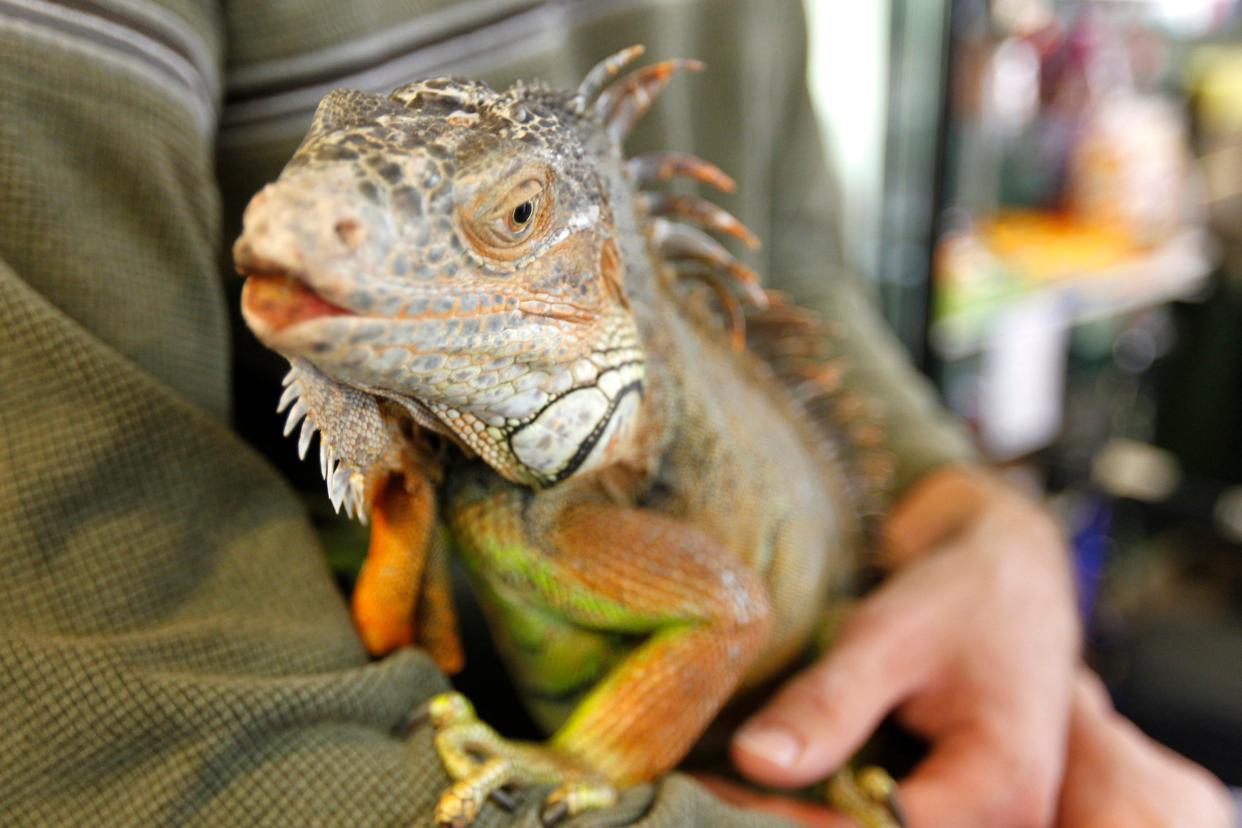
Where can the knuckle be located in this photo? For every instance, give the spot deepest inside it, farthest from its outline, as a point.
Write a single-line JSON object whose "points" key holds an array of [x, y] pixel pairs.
{"points": [[1033, 804]]}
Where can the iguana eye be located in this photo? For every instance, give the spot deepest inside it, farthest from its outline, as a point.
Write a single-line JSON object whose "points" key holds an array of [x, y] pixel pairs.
{"points": [[504, 227], [520, 219], [522, 213], [520, 206]]}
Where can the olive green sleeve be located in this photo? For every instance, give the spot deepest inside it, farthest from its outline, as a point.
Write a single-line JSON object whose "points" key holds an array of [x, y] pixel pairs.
{"points": [[805, 260], [173, 649]]}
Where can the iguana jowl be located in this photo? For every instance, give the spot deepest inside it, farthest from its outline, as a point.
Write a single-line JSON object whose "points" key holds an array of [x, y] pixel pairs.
{"points": [[491, 325]]}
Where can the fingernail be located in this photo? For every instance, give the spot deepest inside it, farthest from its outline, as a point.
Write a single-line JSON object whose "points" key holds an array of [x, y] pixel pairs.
{"points": [[774, 743]]}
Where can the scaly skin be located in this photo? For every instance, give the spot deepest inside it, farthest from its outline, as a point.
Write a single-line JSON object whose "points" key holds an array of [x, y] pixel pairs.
{"points": [[490, 326]]}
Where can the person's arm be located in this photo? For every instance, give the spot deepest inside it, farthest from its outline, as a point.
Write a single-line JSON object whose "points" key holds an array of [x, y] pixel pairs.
{"points": [[805, 258], [173, 649]]}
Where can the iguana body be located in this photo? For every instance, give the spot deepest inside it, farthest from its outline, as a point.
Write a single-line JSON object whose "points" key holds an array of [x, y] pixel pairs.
{"points": [[489, 323]]}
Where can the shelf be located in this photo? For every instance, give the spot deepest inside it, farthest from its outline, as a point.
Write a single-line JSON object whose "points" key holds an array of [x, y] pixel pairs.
{"points": [[1175, 270]]}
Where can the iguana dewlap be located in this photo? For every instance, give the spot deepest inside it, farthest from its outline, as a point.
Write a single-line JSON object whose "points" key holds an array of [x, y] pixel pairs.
{"points": [[496, 330]]}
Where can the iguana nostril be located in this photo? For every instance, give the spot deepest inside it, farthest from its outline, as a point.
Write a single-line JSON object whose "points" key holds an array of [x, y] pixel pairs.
{"points": [[242, 253], [351, 232]]}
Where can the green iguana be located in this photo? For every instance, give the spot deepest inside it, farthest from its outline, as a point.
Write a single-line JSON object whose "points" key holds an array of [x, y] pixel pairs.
{"points": [[644, 460]]}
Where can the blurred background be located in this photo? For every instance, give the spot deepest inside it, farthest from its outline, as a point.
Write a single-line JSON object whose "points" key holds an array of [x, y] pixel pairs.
{"points": [[1046, 198]]}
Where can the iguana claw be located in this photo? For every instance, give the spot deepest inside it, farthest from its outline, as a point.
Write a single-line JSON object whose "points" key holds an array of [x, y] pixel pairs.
{"points": [[868, 796], [575, 798], [413, 720], [483, 763]]}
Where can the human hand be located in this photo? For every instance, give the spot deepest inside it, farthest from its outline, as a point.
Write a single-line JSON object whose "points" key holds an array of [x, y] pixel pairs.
{"points": [[1116, 777], [972, 641]]}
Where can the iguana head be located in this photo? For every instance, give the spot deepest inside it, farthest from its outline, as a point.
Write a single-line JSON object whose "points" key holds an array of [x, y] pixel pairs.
{"points": [[454, 253]]}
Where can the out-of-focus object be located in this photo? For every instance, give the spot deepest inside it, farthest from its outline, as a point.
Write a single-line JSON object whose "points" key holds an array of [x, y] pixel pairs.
{"points": [[1228, 514], [1201, 385], [1045, 246], [1073, 199], [1022, 16], [1135, 470], [1131, 168], [1021, 394], [1214, 76], [1191, 18], [1090, 270], [1012, 87]]}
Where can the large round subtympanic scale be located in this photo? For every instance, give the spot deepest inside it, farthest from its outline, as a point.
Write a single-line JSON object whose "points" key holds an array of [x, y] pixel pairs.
{"points": [[551, 440]]}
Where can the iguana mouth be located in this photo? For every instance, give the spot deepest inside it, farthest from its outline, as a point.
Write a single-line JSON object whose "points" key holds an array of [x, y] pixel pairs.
{"points": [[280, 301]]}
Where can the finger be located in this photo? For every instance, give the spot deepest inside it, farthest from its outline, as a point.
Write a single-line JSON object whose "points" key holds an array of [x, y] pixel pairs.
{"points": [[822, 716], [803, 813], [1118, 776], [978, 777]]}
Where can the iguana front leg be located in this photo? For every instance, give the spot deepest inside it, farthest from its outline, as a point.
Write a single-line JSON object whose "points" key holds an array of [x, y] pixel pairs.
{"points": [[707, 617], [404, 593], [698, 615]]}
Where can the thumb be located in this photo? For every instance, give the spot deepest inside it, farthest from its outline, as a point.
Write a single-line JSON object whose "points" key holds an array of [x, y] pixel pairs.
{"points": [[823, 715]]}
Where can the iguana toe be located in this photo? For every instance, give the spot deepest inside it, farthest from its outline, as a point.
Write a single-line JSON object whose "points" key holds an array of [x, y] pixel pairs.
{"points": [[484, 764], [461, 803]]}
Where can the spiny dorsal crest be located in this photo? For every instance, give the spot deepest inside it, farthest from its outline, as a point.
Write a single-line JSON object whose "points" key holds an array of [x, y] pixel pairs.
{"points": [[795, 343], [673, 220]]}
